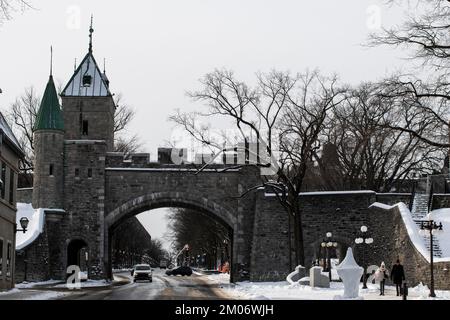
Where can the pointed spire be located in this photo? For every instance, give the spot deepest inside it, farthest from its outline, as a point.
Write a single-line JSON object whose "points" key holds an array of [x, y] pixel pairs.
{"points": [[104, 65], [91, 31], [51, 61], [49, 116]]}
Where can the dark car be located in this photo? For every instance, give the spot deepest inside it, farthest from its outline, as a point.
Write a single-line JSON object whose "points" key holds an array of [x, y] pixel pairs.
{"points": [[183, 271]]}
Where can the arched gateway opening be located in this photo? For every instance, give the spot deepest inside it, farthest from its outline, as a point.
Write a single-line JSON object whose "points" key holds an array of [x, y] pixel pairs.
{"points": [[78, 255], [200, 205]]}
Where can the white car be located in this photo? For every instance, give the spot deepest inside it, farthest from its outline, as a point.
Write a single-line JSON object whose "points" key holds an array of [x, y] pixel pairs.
{"points": [[142, 272]]}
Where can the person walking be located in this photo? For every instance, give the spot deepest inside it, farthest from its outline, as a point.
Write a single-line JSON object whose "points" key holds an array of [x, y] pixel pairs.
{"points": [[380, 276], [398, 276]]}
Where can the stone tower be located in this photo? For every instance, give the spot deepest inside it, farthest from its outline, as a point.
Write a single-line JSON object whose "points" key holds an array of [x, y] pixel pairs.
{"points": [[88, 104], [88, 110], [49, 148]]}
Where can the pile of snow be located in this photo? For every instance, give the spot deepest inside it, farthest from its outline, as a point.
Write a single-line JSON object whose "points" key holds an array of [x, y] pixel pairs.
{"points": [[283, 291], [29, 285], [35, 226], [441, 215], [220, 278], [89, 284]]}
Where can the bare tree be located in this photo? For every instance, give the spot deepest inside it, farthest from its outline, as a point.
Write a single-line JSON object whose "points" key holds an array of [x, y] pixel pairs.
{"points": [[204, 235], [282, 110], [7, 7], [22, 115], [123, 116], [426, 32], [371, 155], [127, 145]]}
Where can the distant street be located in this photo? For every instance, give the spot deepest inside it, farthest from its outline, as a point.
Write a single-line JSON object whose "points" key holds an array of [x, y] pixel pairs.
{"points": [[163, 287]]}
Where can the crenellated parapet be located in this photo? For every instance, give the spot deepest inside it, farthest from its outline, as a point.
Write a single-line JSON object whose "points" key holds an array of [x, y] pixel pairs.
{"points": [[122, 160]]}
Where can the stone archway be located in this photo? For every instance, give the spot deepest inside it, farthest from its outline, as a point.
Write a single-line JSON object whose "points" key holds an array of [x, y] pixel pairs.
{"points": [[166, 200], [78, 254]]}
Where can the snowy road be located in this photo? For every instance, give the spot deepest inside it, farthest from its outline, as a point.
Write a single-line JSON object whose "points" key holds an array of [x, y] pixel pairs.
{"points": [[163, 287]]}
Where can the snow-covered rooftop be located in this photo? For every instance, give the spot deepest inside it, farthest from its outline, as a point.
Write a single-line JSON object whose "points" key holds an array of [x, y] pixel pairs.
{"points": [[36, 219]]}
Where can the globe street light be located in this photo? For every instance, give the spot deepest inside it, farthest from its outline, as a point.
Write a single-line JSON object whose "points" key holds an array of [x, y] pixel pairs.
{"points": [[430, 228], [364, 239], [327, 244]]}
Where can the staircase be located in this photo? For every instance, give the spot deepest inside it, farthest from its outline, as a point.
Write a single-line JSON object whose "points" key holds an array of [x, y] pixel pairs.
{"points": [[419, 212]]}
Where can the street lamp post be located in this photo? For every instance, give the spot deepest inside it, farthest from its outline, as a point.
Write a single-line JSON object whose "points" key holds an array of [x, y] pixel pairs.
{"points": [[364, 239], [430, 228], [327, 244]]}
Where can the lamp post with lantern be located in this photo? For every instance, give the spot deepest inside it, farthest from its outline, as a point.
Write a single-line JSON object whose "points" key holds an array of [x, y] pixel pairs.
{"points": [[365, 240], [430, 228], [23, 223], [327, 244]]}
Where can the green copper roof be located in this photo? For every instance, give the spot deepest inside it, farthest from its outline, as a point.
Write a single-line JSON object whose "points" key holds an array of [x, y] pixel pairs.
{"points": [[49, 115]]}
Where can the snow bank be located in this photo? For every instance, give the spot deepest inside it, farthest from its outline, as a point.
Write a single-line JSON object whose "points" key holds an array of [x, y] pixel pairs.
{"points": [[283, 291], [88, 284], [443, 215], [30, 285], [326, 193], [413, 230]]}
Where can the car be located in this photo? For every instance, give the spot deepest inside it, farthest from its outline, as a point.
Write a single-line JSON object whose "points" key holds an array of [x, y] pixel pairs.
{"points": [[163, 264], [183, 271], [142, 272]]}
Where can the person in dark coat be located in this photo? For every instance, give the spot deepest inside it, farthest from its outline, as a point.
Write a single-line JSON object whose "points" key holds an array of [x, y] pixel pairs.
{"points": [[398, 276]]}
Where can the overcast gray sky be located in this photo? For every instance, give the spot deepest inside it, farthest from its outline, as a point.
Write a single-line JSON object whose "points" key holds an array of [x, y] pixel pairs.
{"points": [[157, 50]]}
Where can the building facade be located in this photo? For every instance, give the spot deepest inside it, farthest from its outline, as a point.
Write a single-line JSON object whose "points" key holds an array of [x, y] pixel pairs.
{"points": [[10, 154]]}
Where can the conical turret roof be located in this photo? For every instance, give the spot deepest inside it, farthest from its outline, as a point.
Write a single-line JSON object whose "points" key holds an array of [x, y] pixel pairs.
{"points": [[49, 116]]}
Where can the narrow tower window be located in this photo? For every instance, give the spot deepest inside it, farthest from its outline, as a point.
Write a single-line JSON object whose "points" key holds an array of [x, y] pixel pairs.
{"points": [[1, 258], [89, 173], [3, 185], [11, 186], [85, 128], [50, 170]]}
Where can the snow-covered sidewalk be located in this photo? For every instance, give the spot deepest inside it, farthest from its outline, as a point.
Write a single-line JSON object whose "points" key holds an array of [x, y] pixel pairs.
{"points": [[48, 290], [31, 294], [284, 291]]}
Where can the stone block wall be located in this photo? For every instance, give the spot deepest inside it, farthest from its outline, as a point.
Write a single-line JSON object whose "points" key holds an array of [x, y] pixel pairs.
{"points": [[399, 245], [441, 201], [25, 195], [32, 263], [270, 247], [84, 202]]}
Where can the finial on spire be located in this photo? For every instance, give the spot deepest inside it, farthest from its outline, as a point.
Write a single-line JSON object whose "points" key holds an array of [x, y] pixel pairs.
{"points": [[51, 61], [91, 31]]}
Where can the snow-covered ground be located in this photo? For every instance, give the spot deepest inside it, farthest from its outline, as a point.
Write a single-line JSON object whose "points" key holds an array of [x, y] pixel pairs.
{"points": [[22, 294], [88, 284], [284, 291], [29, 285]]}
